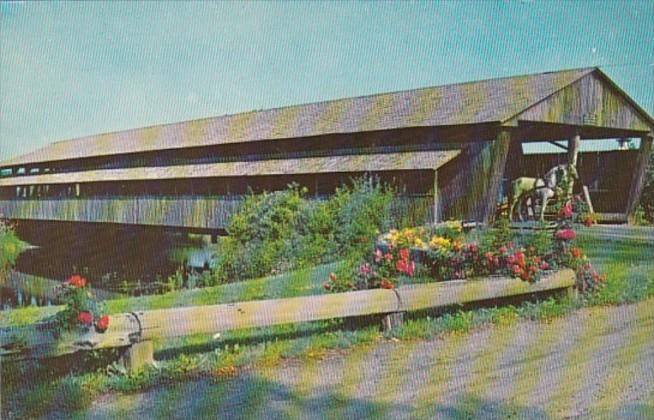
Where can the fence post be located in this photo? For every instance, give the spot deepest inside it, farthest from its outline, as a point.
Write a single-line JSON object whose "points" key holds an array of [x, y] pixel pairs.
{"points": [[392, 321], [138, 355]]}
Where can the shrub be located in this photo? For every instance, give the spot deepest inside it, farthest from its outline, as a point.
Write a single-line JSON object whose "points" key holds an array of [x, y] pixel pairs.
{"points": [[10, 247], [283, 230]]}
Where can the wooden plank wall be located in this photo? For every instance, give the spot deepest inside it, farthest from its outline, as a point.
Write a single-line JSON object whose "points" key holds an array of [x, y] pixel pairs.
{"points": [[181, 212]]}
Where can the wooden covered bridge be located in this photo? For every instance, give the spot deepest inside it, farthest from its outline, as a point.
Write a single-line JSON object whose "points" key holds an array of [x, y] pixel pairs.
{"points": [[450, 150]]}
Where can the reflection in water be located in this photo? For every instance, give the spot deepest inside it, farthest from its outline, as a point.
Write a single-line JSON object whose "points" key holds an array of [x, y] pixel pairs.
{"points": [[123, 262]]}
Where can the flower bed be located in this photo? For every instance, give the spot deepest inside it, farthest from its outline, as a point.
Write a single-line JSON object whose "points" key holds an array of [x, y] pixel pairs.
{"points": [[443, 252]]}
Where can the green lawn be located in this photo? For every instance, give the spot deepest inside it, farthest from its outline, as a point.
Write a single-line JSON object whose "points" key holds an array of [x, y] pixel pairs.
{"points": [[629, 265]]}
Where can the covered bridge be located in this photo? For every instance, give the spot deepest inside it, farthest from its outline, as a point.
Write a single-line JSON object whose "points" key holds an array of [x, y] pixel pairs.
{"points": [[449, 149]]}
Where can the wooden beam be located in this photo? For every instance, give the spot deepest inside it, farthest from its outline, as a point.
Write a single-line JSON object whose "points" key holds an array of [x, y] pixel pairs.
{"points": [[436, 198], [499, 154], [638, 180], [557, 144], [573, 152], [39, 341]]}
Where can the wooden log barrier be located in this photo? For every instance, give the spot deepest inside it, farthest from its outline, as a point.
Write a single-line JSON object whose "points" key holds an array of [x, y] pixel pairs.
{"points": [[137, 329]]}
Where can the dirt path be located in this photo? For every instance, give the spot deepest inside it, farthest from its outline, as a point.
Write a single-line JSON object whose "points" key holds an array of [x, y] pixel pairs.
{"points": [[595, 363]]}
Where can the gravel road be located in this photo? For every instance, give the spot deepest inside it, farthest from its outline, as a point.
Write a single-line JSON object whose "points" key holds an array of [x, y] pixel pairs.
{"points": [[595, 363]]}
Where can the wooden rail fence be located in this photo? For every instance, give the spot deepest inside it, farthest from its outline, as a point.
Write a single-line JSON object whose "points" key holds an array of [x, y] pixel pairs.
{"points": [[136, 330]]}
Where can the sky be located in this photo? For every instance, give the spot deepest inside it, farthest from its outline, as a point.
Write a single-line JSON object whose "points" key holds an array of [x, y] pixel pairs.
{"points": [[74, 69]]}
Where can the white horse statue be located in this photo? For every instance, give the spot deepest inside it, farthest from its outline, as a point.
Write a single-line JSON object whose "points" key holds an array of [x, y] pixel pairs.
{"points": [[542, 189]]}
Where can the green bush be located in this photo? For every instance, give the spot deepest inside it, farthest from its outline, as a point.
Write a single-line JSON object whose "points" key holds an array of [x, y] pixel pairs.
{"points": [[283, 230], [10, 247]]}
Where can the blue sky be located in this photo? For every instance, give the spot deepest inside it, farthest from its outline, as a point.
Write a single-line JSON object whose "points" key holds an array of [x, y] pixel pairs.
{"points": [[74, 69]]}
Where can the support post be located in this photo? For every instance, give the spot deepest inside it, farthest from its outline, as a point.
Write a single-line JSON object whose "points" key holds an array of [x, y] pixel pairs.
{"points": [[638, 180], [573, 153], [499, 154], [138, 355], [436, 198], [392, 321]]}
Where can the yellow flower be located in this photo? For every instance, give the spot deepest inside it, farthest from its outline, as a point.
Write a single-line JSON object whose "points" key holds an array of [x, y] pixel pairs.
{"points": [[439, 242], [454, 225]]}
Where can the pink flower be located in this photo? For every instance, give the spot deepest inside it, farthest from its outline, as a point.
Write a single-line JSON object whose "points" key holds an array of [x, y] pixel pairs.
{"points": [[566, 235], [388, 257], [85, 317], [503, 250], [365, 269], [473, 247], [566, 210], [544, 265], [378, 255], [411, 269]]}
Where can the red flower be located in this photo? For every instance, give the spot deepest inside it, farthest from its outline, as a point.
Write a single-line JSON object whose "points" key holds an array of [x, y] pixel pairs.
{"points": [[386, 284], [566, 210], [576, 252], [77, 281], [566, 235], [102, 324], [489, 256], [404, 254], [85, 317], [544, 265], [517, 270], [473, 247]]}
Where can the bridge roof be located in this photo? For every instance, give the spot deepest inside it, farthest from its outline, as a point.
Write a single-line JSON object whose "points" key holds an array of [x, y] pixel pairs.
{"points": [[312, 165], [489, 101]]}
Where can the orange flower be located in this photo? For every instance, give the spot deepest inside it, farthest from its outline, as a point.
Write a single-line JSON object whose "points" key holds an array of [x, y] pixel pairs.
{"points": [[576, 252], [77, 281], [386, 284]]}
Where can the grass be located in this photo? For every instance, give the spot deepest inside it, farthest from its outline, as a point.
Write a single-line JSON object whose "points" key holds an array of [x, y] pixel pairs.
{"points": [[298, 283], [629, 266]]}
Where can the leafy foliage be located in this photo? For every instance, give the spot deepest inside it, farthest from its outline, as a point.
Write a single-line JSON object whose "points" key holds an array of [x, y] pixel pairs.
{"points": [[10, 247], [280, 231]]}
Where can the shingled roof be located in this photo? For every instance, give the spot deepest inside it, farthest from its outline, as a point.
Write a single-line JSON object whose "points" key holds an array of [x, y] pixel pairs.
{"points": [[313, 165], [495, 100]]}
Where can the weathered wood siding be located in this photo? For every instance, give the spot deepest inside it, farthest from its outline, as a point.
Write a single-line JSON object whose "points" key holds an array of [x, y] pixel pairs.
{"points": [[212, 213], [189, 212], [588, 102], [469, 185]]}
